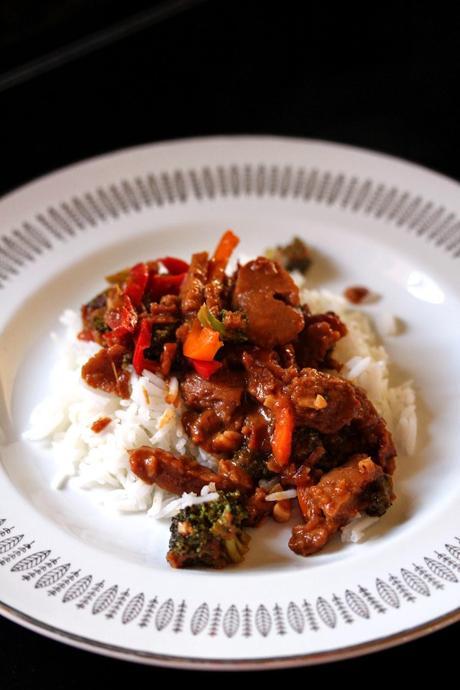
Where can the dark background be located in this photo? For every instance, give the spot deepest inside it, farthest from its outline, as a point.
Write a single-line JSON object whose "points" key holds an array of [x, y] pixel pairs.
{"points": [[385, 78]]}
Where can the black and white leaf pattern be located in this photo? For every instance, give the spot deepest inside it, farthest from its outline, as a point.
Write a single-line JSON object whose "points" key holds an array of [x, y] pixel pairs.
{"points": [[247, 622], [453, 550], [415, 582], [231, 621], [295, 618], [279, 620], [10, 543], [263, 620], [77, 589], [326, 612], [52, 576], [441, 570], [310, 616], [105, 599], [164, 614], [450, 562], [133, 608], [215, 621], [30, 561], [342, 609], [180, 617], [387, 593], [200, 619], [357, 604]]}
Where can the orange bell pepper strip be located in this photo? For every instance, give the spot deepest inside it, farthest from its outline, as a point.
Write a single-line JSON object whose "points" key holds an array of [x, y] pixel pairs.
{"points": [[223, 252], [202, 343]]}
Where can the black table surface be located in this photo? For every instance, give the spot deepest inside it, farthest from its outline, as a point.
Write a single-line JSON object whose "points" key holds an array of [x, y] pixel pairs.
{"points": [[386, 80]]}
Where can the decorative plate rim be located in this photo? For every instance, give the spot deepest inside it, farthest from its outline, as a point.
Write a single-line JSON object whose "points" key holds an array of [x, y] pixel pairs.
{"points": [[227, 138], [196, 663], [367, 195], [400, 205]]}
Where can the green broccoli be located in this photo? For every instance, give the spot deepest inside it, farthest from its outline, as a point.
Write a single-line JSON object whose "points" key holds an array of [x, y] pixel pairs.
{"points": [[99, 324], [378, 496], [161, 334], [209, 534], [295, 256], [253, 462]]}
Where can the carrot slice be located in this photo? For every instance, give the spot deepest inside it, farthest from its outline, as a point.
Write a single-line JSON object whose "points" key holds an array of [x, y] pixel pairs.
{"points": [[223, 252], [284, 428], [202, 343]]}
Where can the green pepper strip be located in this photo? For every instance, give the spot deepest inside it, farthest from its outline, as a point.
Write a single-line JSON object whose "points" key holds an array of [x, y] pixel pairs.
{"points": [[207, 319]]}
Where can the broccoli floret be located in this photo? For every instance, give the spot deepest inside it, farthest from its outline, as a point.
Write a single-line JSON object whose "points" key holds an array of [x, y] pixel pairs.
{"points": [[378, 496], [209, 534], [255, 464], [304, 442], [93, 314], [99, 324], [295, 256], [161, 334]]}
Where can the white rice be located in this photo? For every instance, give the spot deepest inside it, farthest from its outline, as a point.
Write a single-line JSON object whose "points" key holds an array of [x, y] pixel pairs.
{"points": [[152, 416], [281, 495], [268, 484], [354, 531], [100, 460], [173, 506]]}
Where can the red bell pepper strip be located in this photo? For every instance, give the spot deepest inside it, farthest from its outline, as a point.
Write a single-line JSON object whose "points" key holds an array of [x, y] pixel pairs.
{"points": [[122, 319], [174, 266], [113, 338], [144, 339], [136, 283], [205, 369], [161, 285]]}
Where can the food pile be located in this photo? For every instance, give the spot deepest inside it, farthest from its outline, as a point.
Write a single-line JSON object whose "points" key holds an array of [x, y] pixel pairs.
{"points": [[260, 391]]}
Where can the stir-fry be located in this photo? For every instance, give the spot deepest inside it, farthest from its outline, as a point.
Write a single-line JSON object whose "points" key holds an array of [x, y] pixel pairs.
{"points": [[261, 393]]}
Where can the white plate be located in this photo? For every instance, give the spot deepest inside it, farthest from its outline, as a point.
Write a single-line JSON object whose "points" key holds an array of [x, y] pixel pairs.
{"points": [[73, 573]]}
